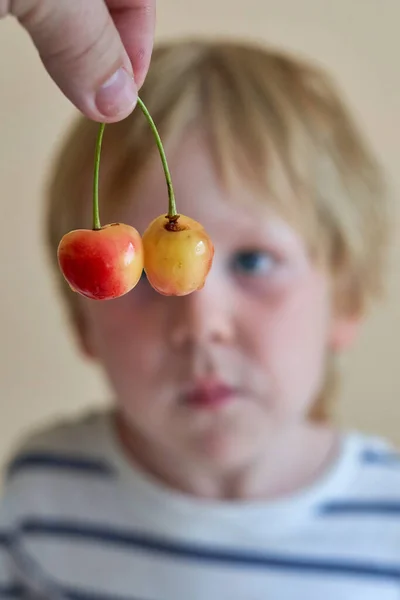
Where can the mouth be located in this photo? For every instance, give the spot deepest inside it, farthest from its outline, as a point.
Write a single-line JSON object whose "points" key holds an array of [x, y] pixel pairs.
{"points": [[210, 395]]}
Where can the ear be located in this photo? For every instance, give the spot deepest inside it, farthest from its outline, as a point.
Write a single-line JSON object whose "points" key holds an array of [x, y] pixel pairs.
{"points": [[83, 337], [344, 331]]}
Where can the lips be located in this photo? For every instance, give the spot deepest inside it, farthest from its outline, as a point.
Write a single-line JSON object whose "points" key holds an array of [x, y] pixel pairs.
{"points": [[209, 395]]}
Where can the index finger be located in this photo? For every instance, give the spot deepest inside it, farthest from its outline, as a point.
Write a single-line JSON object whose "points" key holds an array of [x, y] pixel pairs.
{"points": [[135, 22]]}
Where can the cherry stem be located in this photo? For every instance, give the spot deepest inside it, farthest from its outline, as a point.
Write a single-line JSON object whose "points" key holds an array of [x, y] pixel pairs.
{"points": [[172, 213], [96, 217]]}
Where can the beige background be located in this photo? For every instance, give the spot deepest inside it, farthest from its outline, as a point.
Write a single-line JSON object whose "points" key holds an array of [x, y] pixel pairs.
{"points": [[41, 374]]}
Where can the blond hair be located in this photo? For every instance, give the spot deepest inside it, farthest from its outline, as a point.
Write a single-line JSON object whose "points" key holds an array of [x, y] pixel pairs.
{"points": [[275, 119]]}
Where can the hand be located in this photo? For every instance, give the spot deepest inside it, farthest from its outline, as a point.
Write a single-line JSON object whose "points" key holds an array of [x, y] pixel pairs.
{"points": [[97, 51]]}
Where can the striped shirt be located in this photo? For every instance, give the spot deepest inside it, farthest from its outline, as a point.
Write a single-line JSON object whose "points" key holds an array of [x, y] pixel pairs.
{"points": [[79, 522]]}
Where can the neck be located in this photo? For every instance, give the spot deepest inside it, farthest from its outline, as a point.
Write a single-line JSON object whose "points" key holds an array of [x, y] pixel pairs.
{"points": [[287, 463]]}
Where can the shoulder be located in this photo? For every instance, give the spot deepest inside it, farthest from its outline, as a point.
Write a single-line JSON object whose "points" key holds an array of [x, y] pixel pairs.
{"points": [[56, 459], [371, 482], [377, 450], [79, 437], [57, 477]]}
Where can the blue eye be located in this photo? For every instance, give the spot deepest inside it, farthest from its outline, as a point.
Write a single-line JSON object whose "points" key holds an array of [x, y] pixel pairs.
{"points": [[253, 262]]}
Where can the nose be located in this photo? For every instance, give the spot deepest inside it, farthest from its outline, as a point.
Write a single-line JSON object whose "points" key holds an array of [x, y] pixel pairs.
{"points": [[203, 317]]}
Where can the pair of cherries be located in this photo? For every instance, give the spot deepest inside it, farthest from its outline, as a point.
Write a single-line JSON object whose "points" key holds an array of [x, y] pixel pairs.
{"points": [[107, 261]]}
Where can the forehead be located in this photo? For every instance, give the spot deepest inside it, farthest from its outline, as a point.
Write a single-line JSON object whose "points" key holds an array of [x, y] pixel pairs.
{"points": [[226, 211]]}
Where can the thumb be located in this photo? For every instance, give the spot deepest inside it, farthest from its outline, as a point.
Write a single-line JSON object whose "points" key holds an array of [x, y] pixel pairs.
{"points": [[81, 48]]}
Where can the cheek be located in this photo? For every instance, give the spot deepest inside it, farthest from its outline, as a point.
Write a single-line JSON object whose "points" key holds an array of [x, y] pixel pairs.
{"points": [[123, 337], [291, 332]]}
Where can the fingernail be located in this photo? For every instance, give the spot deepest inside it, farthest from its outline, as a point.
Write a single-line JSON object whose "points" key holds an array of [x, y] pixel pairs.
{"points": [[117, 95]]}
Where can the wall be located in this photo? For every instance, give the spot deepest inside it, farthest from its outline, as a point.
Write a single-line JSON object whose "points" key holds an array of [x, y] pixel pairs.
{"points": [[41, 374]]}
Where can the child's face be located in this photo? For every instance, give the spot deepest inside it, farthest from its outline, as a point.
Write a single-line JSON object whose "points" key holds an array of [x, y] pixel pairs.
{"points": [[216, 374]]}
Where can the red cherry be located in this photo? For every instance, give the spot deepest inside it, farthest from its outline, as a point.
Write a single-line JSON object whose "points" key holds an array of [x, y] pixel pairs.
{"points": [[104, 263]]}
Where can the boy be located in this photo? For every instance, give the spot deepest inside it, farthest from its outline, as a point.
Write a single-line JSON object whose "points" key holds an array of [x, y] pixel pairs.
{"points": [[218, 473]]}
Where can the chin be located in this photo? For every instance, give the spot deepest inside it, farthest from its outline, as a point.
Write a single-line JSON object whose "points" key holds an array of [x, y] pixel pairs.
{"points": [[229, 437], [222, 450]]}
